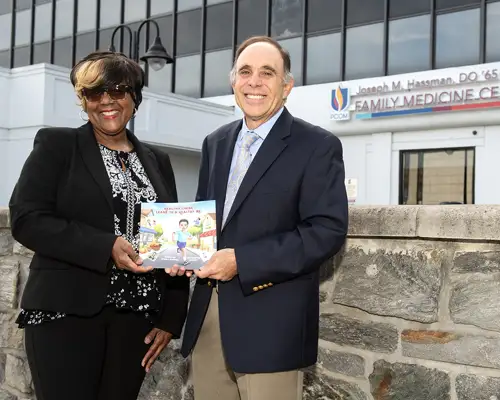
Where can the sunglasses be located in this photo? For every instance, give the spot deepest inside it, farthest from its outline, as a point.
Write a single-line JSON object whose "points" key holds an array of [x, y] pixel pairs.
{"points": [[116, 92]]}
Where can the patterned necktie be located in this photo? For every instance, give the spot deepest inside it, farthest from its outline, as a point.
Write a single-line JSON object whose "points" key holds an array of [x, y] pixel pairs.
{"points": [[242, 163]]}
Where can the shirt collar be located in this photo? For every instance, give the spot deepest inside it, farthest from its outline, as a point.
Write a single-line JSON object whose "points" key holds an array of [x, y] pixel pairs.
{"points": [[264, 129]]}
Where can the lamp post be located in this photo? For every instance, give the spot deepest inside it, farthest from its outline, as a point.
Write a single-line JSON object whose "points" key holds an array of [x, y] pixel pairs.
{"points": [[156, 56]]}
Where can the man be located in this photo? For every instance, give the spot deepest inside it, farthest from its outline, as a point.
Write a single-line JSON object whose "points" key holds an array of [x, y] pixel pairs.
{"points": [[253, 320]]}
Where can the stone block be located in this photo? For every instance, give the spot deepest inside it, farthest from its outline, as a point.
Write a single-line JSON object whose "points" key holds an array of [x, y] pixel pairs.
{"points": [[374, 336], [474, 289], [9, 273], [10, 336], [3, 359], [318, 387], [477, 222], [168, 378], [20, 250], [383, 221], [484, 262], [473, 387], [17, 374], [5, 395], [342, 363], [404, 285], [408, 381], [452, 347], [4, 218], [6, 242]]}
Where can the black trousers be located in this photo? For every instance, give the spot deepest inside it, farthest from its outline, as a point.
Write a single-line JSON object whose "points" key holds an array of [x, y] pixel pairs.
{"points": [[96, 358]]}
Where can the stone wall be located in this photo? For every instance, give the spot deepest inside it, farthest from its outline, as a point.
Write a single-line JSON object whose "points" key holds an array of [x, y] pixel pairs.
{"points": [[410, 311]]}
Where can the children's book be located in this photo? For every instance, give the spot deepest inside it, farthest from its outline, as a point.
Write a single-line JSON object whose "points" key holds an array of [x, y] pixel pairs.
{"points": [[183, 234]]}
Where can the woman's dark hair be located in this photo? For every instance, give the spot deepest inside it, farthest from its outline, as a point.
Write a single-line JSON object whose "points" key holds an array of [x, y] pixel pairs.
{"points": [[107, 68]]}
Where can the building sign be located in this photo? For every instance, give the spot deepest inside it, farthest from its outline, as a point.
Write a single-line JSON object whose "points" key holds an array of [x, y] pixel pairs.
{"points": [[341, 101], [400, 98]]}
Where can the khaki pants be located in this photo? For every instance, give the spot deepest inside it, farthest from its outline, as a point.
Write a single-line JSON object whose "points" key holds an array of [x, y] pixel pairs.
{"points": [[214, 380]]}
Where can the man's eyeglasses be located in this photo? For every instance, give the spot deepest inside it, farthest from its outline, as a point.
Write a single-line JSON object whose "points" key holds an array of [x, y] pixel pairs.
{"points": [[116, 92]]}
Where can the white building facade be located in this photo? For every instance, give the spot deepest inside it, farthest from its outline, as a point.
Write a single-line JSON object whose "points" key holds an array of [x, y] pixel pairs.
{"points": [[41, 95], [421, 138]]}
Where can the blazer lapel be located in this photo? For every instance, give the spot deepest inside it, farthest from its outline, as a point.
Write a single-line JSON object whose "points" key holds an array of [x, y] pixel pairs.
{"points": [[224, 156], [93, 160], [269, 151]]}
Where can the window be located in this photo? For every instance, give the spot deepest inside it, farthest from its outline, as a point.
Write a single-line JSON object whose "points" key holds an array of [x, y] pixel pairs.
{"points": [[294, 48], [187, 75], [444, 176], [363, 12], [62, 52], [252, 17], [409, 45], [64, 18], [286, 18], [41, 53], [217, 67], [448, 53], [323, 59], [492, 32], [364, 51], [210, 2], [5, 7], [407, 8], [446, 4], [43, 19], [219, 34], [135, 10], [161, 6], [110, 13], [87, 12], [160, 81], [188, 32], [5, 59], [105, 39], [188, 4], [324, 15], [22, 4], [23, 27], [85, 44], [5, 27], [21, 56]]}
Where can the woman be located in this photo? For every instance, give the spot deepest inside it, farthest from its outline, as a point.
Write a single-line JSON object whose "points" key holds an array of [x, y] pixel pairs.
{"points": [[94, 319]]}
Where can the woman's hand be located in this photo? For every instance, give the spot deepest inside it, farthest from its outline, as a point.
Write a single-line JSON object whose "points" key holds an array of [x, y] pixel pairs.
{"points": [[126, 258], [160, 340]]}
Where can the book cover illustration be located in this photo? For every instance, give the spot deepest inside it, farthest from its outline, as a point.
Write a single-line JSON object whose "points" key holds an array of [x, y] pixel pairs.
{"points": [[178, 233]]}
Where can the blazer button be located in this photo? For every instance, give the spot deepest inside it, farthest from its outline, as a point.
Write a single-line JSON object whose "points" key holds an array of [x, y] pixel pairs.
{"points": [[265, 285], [255, 289], [270, 284], [261, 287], [209, 283]]}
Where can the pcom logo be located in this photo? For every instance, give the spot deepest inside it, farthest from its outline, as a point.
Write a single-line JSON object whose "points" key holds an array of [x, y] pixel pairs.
{"points": [[341, 100]]}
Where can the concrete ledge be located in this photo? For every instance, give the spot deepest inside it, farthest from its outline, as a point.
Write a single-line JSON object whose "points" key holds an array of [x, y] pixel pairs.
{"points": [[459, 222]]}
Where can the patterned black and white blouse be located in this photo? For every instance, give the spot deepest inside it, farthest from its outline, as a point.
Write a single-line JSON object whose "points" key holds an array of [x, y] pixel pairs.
{"points": [[131, 187]]}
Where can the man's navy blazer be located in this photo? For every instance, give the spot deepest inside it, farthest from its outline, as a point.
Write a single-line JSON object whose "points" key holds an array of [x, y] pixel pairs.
{"points": [[289, 216]]}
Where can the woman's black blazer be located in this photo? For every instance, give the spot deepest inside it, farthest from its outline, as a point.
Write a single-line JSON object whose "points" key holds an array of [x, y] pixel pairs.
{"points": [[62, 209]]}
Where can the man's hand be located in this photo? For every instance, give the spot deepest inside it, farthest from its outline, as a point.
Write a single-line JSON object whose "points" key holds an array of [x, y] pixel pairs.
{"points": [[160, 340], [221, 266]]}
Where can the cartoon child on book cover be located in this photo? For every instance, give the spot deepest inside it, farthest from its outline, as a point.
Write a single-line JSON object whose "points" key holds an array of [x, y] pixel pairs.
{"points": [[182, 236]]}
